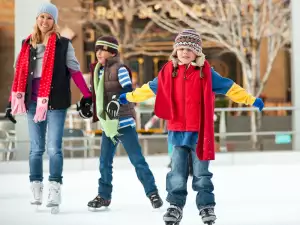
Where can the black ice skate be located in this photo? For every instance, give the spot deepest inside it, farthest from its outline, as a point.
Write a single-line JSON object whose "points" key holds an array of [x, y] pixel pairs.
{"points": [[208, 215], [156, 201], [173, 215], [97, 203]]}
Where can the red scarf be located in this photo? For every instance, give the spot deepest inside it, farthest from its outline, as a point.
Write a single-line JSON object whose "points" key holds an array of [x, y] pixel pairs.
{"points": [[164, 108], [21, 75]]}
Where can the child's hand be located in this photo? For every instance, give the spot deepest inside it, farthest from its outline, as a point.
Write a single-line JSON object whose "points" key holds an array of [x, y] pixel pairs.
{"points": [[113, 108], [84, 107], [122, 99], [259, 104]]}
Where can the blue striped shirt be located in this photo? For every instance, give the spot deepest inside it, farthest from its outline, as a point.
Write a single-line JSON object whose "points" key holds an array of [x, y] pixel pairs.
{"points": [[124, 79]]}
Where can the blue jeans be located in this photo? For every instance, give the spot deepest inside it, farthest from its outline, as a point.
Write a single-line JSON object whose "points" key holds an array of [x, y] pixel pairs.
{"points": [[178, 176], [129, 139], [54, 125]]}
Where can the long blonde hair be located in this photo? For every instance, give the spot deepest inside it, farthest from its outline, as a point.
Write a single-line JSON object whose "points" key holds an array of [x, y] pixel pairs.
{"points": [[36, 36]]}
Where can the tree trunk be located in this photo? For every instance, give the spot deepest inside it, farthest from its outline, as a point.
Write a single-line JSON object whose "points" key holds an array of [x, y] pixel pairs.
{"points": [[253, 130], [259, 145], [121, 54], [250, 71]]}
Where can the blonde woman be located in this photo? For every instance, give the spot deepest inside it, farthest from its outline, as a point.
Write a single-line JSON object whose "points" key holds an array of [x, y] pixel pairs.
{"points": [[41, 89]]}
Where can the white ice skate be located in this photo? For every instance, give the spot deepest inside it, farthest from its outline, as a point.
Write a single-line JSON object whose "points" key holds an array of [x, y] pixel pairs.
{"points": [[37, 191], [54, 197]]}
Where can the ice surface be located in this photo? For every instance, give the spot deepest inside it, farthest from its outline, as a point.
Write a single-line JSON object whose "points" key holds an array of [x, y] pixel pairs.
{"points": [[245, 195]]}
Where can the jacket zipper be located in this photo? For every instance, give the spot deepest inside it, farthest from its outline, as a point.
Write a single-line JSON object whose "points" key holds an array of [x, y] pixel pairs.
{"points": [[184, 113]]}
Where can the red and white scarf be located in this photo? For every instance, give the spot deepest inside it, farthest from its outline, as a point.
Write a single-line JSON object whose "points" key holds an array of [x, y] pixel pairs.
{"points": [[21, 75]]}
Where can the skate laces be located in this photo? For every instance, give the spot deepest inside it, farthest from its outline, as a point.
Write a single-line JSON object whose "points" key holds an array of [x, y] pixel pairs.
{"points": [[37, 189], [154, 198], [100, 200], [211, 211], [53, 191], [207, 211], [174, 211]]}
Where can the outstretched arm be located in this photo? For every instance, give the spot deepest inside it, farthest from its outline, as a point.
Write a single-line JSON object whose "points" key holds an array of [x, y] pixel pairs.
{"points": [[228, 87], [236, 93], [141, 94]]}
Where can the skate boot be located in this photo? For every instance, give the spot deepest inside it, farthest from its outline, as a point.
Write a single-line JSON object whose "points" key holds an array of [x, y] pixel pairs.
{"points": [[156, 201], [173, 215], [208, 215], [97, 203], [37, 191], [54, 197]]}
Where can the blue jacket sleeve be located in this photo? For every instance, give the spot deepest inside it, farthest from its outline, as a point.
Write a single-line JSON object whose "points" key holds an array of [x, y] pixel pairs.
{"points": [[127, 88], [220, 85], [153, 85], [225, 86]]}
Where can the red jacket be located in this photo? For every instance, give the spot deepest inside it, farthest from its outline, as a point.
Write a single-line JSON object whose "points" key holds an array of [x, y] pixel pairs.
{"points": [[187, 102]]}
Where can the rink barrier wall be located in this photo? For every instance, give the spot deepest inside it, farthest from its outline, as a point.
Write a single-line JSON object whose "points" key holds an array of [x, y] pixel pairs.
{"points": [[160, 161]]}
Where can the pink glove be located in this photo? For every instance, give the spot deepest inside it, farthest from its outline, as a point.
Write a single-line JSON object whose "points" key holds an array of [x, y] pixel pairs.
{"points": [[41, 110], [18, 103]]}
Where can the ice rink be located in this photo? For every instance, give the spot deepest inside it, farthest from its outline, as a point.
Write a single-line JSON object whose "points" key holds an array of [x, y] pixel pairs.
{"points": [[263, 193]]}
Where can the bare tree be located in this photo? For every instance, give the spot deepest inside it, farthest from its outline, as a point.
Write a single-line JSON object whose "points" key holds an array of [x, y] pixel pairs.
{"points": [[241, 26], [118, 18]]}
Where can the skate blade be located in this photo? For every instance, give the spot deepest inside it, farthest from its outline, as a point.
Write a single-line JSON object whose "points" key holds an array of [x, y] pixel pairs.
{"points": [[36, 203], [54, 207], [172, 223], [55, 210], [157, 206], [210, 223], [101, 209], [209, 220], [51, 204]]}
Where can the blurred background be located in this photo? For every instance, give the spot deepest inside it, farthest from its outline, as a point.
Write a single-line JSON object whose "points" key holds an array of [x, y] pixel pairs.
{"points": [[256, 43], [249, 41]]}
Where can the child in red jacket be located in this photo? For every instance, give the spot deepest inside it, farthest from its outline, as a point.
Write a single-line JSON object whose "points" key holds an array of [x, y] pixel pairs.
{"points": [[184, 91]]}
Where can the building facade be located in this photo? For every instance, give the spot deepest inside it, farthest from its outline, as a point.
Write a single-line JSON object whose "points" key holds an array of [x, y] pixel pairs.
{"points": [[18, 17], [147, 66]]}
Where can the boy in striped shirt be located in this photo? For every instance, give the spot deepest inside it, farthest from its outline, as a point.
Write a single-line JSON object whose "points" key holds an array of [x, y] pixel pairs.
{"points": [[110, 78]]}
